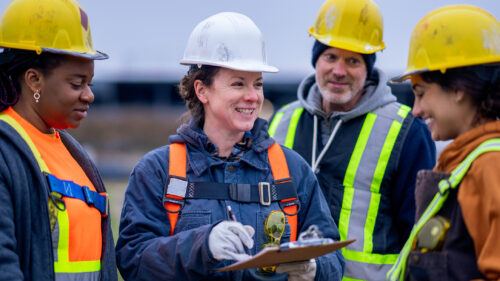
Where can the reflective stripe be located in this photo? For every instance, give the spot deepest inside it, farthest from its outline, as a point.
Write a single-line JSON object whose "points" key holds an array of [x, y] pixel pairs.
{"points": [[82, 276], [61, 262], [274, 124], [361, 202], [13, 123], [378, 176], [345, 227], [290, 136], [359, 271], [284, 124], [371, 258], [404, 110], [398, 270]]}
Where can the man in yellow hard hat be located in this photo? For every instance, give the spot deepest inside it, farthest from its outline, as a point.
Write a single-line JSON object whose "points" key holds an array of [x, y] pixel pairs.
{"points": [[364, 146]]}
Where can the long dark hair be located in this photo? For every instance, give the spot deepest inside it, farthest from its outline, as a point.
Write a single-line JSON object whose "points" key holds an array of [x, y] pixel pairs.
{"points": [[480, 82], [206, 75], [13, 65]]}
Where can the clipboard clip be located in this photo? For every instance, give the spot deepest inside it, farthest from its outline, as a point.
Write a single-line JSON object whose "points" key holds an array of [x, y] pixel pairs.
{"points": [[312, 236]]}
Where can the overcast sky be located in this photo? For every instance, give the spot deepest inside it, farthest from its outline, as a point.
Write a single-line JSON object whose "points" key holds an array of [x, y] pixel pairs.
{"points": [[146, 39]]}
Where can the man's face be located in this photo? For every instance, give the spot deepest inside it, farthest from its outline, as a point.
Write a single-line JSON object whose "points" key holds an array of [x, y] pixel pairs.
{"points": [[341, 76]]}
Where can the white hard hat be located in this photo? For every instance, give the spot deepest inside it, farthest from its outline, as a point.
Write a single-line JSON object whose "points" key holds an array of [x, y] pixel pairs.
{"points": [[230, 40]]}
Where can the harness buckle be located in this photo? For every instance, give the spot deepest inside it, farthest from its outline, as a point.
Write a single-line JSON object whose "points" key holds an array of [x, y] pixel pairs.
{"points": [[106, 204], [171, 199], [444, 186], [88, 197], [57, 200], [240, 192], [290, 202], [263, 193], [175, 192]]}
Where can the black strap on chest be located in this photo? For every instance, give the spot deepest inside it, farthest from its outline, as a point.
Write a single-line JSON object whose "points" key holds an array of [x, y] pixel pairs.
{"points": [[263, 193]]}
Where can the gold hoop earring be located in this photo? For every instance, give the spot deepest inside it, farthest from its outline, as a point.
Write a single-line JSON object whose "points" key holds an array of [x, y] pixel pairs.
{"points": [[36, 95]]}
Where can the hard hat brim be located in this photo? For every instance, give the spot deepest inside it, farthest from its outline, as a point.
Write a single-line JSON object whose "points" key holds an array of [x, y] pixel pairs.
{"points": [[407, 75], [234, 66], [96, 56]]}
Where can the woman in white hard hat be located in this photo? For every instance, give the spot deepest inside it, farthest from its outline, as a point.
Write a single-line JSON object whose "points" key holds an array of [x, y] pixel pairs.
{"points": [[454, 67], [53, 222], [175, 223]]}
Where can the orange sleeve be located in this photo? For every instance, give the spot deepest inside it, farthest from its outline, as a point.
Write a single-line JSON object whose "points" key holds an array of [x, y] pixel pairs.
{"points": [[479, 198]]}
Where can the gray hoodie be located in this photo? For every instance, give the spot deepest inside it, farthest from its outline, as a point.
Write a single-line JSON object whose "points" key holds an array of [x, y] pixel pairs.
{"points": [[376, 95]]}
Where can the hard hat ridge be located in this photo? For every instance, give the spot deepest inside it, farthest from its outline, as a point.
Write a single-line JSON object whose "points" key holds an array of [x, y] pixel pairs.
{"points": [[230, 40], [453, 36], [48, 26], [354, 25]]}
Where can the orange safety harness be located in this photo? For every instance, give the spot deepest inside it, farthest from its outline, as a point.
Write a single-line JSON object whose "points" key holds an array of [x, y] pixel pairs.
{"points": [[283, 190]]}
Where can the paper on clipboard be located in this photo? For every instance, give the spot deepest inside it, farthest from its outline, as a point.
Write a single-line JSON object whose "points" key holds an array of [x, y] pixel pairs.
{"points": [[275, 256]]}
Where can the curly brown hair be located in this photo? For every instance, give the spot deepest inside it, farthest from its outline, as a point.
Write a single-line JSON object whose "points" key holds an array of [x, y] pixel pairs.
{"points": [[206, 75], [480, 82]]}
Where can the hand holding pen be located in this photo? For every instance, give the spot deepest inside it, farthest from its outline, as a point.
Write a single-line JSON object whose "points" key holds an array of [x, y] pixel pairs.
{"points": [[230, 240], [230, 214]]}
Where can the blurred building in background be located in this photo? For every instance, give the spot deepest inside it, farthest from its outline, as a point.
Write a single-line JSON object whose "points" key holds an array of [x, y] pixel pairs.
{"points": [[129, 118]]}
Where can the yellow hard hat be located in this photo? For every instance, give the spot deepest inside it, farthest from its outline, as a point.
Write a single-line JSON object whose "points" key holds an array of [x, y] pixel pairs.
{"points": [[354, 25], [453, 36], [54, 26]]}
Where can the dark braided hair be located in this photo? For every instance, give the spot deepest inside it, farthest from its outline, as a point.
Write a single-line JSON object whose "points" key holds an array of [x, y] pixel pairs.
{"points": [[186, 88], [13, 65], [480, 82]]}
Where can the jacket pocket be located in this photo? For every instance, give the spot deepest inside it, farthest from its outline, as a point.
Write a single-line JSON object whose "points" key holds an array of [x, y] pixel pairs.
{"points": [[427, 266], [192, 219]]}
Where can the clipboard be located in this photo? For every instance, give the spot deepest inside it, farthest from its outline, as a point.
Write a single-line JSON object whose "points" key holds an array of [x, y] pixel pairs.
{"points": [[274, 255]]}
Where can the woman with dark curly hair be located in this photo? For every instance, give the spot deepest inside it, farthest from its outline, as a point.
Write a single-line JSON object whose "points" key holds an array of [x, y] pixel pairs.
{"points": [[454, 67], [53, 204], [202, 202]]}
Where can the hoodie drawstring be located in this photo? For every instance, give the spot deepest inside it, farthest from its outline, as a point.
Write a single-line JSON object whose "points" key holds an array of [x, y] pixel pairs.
{"points": [[314, 161]]}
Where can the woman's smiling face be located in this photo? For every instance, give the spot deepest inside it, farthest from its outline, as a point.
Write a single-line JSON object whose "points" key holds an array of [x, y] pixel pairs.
{"points": [[448, 114], [233, 102]]}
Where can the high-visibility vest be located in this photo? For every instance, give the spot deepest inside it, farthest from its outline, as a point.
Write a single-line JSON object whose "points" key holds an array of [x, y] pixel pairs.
{"points": [[173, 200], [397, 272], [379, 131], [63, 267]]}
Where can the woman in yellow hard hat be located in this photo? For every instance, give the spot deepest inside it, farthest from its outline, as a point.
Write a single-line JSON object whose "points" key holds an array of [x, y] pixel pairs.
{"points": [[454, 67], [176, 223], [53, 222]]}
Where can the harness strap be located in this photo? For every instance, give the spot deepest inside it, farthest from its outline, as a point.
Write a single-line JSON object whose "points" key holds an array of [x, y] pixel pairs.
{"points": [[76, 191], [279, 168], [263, 193], [397, 272], [177, 155], [283, 190]]}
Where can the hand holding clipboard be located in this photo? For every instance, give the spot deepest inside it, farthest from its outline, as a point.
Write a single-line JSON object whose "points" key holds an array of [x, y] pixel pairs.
{"points": [[301, 250]]}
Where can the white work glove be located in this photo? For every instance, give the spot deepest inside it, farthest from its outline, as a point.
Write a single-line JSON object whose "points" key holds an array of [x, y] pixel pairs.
{"points": [[298, 271], [228, 239]]}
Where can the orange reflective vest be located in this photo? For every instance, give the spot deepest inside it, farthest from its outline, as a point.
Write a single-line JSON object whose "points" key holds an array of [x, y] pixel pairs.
{"points": [[63, 267]]}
